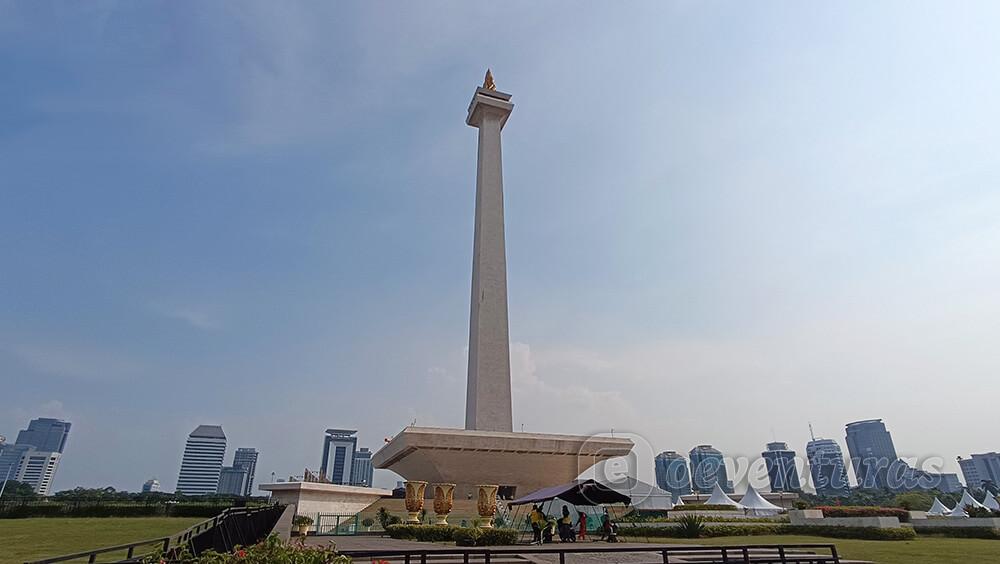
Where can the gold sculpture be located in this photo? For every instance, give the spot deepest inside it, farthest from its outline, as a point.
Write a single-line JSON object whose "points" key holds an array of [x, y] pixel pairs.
{"points": [[488, 83], [487, 505], [414, 500]]}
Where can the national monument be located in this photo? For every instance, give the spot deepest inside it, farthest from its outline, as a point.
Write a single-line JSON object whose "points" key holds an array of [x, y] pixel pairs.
{"points": [[487, 451]]}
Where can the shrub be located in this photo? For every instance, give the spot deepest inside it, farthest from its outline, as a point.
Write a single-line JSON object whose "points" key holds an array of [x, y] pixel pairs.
{"points": [[423, 533], [462, 536], [862, 511], [691, 526], [496, 537], [302, 520], [467, 537], [981, 512], [962, 532], [269, 551], [367, 522]]}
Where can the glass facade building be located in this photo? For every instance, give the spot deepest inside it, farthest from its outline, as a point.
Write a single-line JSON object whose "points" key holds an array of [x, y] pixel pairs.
{"points": [[872, 453], [707, 469], [671, 471], [827, 468], [781, 471]]}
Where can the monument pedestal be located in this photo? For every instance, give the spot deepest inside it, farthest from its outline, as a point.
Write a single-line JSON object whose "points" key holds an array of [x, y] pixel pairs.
{"points": [[519, 463]]}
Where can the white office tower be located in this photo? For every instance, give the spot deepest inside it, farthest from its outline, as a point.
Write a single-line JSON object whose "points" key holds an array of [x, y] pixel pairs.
{"points": [[202, 462], [37, 469]]}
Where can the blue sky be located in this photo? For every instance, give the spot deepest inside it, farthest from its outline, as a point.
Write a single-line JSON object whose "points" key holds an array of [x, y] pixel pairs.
{"points": [[259, 215]]}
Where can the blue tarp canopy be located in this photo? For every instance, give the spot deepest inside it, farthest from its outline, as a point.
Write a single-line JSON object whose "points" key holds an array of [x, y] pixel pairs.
{"points": [[578, 492]]}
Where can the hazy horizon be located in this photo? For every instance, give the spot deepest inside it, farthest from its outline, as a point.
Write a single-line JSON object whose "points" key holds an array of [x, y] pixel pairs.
{"points": [[724, 222]]}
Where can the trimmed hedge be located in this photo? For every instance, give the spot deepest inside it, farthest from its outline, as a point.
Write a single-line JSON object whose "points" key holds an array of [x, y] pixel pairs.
{"points": [[864, 511], [57, 509], [864, 533], [705, 507], [961, 532], [462, 536]]}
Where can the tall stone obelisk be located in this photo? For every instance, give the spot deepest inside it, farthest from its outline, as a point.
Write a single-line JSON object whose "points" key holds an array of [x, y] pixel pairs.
{"points": [[487, 404]]}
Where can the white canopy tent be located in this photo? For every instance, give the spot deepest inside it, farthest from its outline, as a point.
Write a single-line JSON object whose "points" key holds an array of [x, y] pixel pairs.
{"points": [[645, 497], [938, 509], [755, 504], [990, 502], [719, 497], [966, 500]]}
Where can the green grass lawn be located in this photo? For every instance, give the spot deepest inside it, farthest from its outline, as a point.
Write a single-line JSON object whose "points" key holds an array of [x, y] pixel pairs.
{"points": [[926, 550], [22, 540]]}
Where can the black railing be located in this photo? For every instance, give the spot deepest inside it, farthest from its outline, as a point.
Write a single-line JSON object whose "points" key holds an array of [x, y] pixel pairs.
{"points": [[751, 553], [235, 526]]}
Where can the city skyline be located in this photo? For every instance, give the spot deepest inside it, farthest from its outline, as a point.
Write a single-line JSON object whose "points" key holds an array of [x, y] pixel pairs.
{"points": [[250, 202]]}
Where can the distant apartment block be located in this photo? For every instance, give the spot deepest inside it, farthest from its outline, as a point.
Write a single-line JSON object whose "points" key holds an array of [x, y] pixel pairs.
{"points": [[362, 471], [202, 461], [671, 471], [151, 486], [34, 457], [246, 458], [981, 470], [233, 480], [781, 471]]}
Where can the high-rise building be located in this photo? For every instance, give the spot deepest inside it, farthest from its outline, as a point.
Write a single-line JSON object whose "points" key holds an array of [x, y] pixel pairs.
{"points": [[781, 471], [362, 470], [10, 460], [338, 456], [151, 485], [707, 469], [246, 458], [872, 453], [37, 469], [981, 470], [45, 434], [34, 456], [826, 466], [671, 471], [202, 462], [233, 480]]}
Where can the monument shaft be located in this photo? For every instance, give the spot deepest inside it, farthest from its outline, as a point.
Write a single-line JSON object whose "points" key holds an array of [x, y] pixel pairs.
{"points": [[488, 403]]}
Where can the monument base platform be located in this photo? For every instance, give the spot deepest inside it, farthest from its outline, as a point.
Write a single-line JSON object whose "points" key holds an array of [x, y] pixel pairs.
{"points": [[519, 463], [314, 498]]}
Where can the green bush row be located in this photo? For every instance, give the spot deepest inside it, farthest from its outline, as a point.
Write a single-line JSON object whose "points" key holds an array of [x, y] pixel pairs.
{"points": [[110, 510], [758, 529], [864, 511], [962, 532], [462, 536], [706, 507]]}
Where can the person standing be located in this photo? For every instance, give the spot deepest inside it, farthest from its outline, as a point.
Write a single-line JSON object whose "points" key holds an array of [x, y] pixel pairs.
{"points": [[583, 526]]}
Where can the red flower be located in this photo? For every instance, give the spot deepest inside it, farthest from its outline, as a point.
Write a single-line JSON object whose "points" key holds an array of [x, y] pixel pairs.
{"points": [[241, 553]]}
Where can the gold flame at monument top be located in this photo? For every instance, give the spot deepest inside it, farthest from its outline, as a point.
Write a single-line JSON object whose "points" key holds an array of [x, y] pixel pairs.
{"points": [[488, 83]]}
